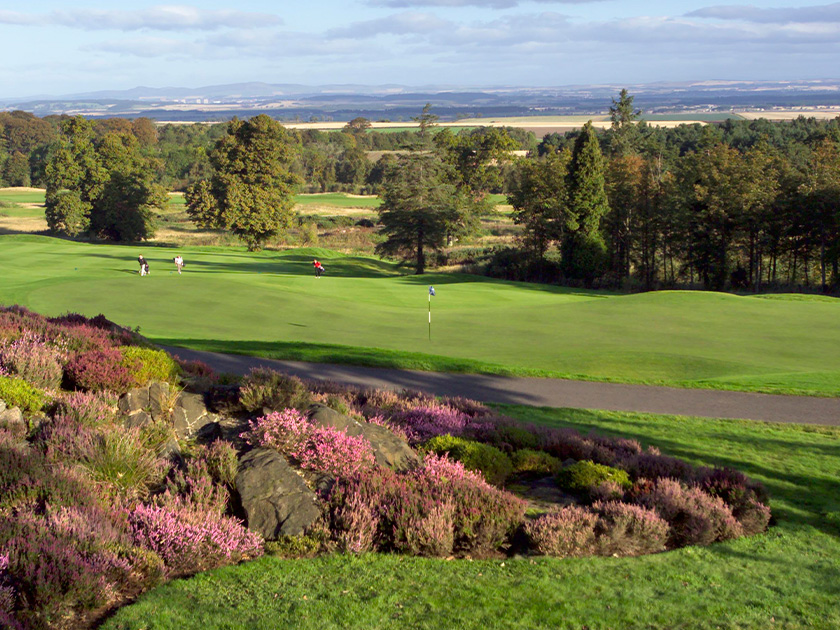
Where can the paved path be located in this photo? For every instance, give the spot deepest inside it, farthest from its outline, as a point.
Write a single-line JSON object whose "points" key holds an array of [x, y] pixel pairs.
{"points": [[549, 392]]}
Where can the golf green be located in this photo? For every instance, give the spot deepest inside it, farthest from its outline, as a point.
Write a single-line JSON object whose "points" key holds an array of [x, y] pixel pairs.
{"points": [[268, 302]]}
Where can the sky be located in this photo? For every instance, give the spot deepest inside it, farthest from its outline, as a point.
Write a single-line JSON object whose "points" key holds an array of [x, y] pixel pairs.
{"points": [[49, 47]]}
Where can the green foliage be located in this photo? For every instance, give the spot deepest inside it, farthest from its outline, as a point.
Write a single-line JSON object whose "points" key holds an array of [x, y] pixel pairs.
{"points": [[265, 388], [250, 192], [421, 208], [16, 392], [536, 462], [148, 364], [583, 476], [293, 547], [492, 463], [68, 213], [121, 462]]}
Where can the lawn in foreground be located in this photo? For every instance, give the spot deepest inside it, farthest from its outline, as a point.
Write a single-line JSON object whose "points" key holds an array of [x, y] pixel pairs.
{"points": [[788, 577], [270, 304]]}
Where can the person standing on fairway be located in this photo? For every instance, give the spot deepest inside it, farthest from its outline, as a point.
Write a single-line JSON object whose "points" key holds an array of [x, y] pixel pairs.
{"points": [[179, 263], [319, 268], [144, 266]]}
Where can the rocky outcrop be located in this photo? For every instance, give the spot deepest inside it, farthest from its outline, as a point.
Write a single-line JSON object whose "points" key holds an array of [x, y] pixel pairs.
{"points": [[388, 449], [186, 411], [275, 498]]}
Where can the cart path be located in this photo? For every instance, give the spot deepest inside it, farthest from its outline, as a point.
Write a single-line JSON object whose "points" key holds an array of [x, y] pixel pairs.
{"points": [[548, 392]]}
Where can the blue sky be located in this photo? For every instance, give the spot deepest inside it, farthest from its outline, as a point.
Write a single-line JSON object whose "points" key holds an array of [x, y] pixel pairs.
{"points": [[50, 47]]}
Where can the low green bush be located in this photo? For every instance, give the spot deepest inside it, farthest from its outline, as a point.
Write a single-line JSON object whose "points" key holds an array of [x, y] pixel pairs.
{"points": [[538, 462], [264, 388], [16, 392], [293, 547], [492, 463], [581, 477], [148, 364]]}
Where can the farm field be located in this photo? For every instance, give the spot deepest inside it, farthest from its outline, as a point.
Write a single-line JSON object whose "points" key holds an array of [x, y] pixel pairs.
{"points": [[373, 312], [785, 578]]}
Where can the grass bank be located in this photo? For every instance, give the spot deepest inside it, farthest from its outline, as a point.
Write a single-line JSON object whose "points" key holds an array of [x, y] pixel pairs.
{"points": [[787, 578]]}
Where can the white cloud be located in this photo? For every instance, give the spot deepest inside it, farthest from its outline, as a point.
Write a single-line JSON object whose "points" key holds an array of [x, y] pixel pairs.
{"points": [[824, 13], [409, 23], [158, 18], [487, 4]]}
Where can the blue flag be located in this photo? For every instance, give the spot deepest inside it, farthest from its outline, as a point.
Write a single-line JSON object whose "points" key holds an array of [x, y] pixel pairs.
{"points": [[431, 290]]}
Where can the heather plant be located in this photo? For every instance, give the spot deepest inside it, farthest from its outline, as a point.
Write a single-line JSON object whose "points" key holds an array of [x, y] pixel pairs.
{"points": [[33, 360], [427, 421], [189, 540], [16, 392], [381, 421], [293, 547], [91, 409], [651, 464], [283, 430], [329, 450], [696, 518], [581, 477], [506, 435], [534, 463], [147, 364], [607, 491], [746, 498], [221, 460], [268, 389], [494, 465], [98, 370], [197, 369], [628, 530], [567, 532]]}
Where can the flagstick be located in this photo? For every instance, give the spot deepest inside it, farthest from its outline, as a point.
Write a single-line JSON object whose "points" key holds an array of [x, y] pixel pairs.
{"points": [[430, 316]]}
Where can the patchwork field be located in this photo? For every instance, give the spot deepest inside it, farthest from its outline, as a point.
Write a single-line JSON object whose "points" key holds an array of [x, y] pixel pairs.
{"points": [[373, 312], [788, 577]]}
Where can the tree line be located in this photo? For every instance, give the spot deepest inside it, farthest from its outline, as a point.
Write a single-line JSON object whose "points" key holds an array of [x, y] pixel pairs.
{"points": [[744, 205]]}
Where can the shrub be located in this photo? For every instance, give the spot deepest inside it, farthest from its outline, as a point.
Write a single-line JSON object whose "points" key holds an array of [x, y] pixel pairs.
{"points": [[221, 460], [329, 450], [653, 465], [190, 540], [16, 392], [434, 510], [607, 491], [293, 547], [283, 430], [581, 477], [535, 462], [147, 364], [629, 530], [264, 388], [86, 408], [492, 463], [427, 421], [696, 518], [507, 435], [746, 498], [98, 370], [33, 360], [567, 532], [199, 369]]}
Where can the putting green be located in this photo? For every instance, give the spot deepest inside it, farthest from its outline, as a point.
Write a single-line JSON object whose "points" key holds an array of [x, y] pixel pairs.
{"points": [[269, 300]]}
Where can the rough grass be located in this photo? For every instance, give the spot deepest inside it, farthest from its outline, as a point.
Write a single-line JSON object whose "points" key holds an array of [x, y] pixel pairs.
{"points": [[267, 299], [788, 577]]}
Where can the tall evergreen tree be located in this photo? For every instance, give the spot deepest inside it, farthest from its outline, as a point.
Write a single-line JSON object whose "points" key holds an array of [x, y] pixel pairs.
{"points": [[584, 251]]}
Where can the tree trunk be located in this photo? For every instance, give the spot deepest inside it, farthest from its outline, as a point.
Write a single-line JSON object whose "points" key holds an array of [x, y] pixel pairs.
{"points": [[421, 255]]}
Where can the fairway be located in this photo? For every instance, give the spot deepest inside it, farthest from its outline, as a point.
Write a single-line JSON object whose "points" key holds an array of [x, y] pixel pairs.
{"points": [[270, 303]]}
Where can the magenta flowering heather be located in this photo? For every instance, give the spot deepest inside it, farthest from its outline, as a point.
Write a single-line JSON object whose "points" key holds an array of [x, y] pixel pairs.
{"points": [[190, 541], [284, 430], [329, 450], [428, 421]]}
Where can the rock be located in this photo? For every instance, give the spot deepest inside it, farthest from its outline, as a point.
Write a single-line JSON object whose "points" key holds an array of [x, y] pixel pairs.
{"points": [[171, 451], [326, 417], [2, 405], [159, 399], [189, 415], [137, 419], [135, 400], [388, 449], [275, 499], [12, 420]]}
